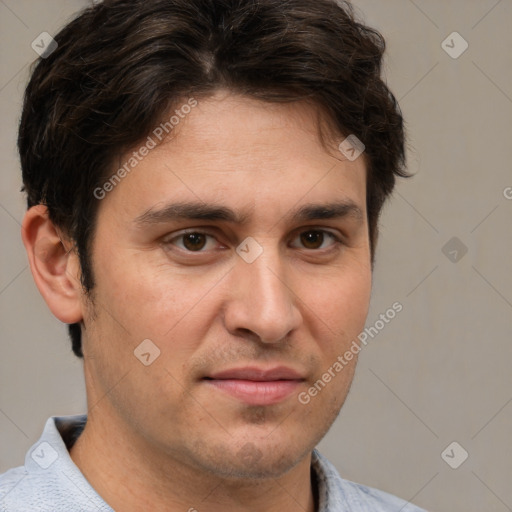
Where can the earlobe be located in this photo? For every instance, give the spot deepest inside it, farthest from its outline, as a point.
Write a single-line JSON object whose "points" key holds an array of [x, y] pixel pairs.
{"points": [[54, 265]]}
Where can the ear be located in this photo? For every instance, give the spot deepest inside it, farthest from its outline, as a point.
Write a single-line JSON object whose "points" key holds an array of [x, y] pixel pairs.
{"points": [[55, 266]]}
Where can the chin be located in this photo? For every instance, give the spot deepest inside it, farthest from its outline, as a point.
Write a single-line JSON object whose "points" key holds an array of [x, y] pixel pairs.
{"points": [[251, 461]]}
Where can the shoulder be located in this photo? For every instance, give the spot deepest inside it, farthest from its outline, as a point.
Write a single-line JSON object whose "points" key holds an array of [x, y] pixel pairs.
{"points": [[9, 480], [377, 500], [336, 493], [21, 490], [49, 480]]}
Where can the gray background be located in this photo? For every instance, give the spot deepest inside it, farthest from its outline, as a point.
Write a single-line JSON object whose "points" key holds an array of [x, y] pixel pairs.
{"points": [[440, 371]]}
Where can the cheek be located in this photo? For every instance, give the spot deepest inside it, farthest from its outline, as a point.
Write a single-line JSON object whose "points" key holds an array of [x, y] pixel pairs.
{"points": [[152, 300], [339, 303]]}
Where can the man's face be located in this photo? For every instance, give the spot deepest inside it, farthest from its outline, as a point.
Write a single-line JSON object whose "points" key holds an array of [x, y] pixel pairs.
{"points": [[241, 333]]}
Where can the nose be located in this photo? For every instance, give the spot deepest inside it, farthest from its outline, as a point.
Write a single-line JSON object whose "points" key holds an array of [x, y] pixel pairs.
{"points": [[261, 302]]}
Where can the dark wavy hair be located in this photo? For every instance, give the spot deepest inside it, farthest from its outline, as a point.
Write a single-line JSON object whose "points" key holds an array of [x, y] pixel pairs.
{"points": [[122, 64]]}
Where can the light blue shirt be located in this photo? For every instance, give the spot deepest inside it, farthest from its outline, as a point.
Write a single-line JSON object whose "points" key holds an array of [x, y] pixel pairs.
{"points": [[51, 482]]}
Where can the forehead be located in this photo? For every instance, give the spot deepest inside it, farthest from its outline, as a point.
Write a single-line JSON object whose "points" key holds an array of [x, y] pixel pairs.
{"points": [[229, 147], [236, 125]]}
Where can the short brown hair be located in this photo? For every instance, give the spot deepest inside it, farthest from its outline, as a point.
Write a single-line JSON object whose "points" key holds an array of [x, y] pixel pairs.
{"points": [[122, 64]]}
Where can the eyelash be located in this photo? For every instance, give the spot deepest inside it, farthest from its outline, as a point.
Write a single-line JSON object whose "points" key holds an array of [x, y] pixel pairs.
{"points": [[169, 241]]}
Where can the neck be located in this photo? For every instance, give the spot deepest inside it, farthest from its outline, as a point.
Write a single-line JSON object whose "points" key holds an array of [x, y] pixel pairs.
{"points": [[130, 475]]}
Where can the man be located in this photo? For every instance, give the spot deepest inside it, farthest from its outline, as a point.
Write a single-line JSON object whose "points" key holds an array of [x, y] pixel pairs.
{"points": [[204, 182]]}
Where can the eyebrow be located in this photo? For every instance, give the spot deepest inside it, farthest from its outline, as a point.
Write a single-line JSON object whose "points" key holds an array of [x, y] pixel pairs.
{"points": [[212, 212]]}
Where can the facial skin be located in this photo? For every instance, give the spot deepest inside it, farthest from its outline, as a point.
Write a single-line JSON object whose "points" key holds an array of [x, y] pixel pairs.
{"points": [[161, 436]]}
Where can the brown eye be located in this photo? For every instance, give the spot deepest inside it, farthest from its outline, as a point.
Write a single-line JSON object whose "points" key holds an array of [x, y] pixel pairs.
{"points": [[190, 241], [194, 241], [312, 239], [316, 239]]}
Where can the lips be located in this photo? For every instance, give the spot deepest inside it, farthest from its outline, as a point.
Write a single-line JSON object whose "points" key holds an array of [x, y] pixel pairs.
{"points": [[256, 386], [258, 374]]}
